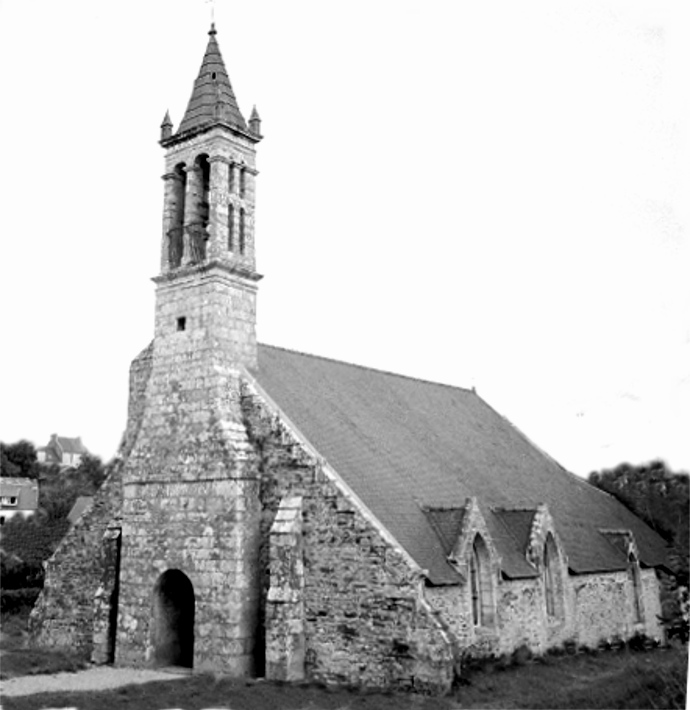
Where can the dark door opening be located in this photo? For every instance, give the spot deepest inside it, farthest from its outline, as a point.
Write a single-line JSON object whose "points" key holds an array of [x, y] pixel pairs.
{"points": [[173, 612], [114, 597]]}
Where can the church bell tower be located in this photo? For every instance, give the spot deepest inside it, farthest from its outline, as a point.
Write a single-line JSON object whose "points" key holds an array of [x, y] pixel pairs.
{"points": [[189, 583], [208, 218]]}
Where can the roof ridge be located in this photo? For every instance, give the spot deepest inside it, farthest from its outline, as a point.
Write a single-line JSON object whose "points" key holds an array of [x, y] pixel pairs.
{"points": [[373, 369]]}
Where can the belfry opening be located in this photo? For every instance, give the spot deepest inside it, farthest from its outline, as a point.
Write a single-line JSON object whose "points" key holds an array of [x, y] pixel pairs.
{"points": [[173, 620]]}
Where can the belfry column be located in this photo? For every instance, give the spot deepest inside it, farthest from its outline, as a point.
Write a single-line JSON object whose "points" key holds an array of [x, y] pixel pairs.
{"points": [[218, 207], [173, 215]]}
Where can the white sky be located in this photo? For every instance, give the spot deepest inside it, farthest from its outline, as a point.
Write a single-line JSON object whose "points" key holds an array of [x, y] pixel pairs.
{"points": [[489, 194]]}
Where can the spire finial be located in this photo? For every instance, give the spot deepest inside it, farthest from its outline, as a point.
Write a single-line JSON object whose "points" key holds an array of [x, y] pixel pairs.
{"points": [[212, 3]]}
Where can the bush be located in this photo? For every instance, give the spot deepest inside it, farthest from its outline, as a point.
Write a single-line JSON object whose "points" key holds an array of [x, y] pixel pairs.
{"points": [[16, 601], [521, 655], [32, 540], [675, 617]]}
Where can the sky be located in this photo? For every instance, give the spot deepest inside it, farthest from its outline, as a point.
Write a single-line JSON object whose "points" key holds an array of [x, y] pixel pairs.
{"points": [[486, 194]]}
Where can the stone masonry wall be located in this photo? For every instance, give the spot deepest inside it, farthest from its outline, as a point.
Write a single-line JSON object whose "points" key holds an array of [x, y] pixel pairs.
{"points": [[651, 604], [63, 616], [284, 619], [589, 608], [604, 607], [365, 619], [600, 607], [189, 505], [519, 618], [83, 570]]}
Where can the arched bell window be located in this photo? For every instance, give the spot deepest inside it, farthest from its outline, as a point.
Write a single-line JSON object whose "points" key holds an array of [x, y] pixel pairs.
{"points": [[204, 188], [242, 236], [480, 584], [177, 208], [243, 181], [231, 227]]}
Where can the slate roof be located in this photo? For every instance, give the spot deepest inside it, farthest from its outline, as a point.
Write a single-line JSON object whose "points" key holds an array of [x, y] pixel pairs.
{"points": [[213, 99], [405, 446]]}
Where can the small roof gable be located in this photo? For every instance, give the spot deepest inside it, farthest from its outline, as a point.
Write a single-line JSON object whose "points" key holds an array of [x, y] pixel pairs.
{"points": [[406, 446], [518, 522], [511, 532], [447, 524], [212, 100]]}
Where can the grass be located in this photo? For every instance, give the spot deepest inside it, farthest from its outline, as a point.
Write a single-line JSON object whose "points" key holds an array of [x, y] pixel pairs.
{"points": [[612, 679], [18, 660]]}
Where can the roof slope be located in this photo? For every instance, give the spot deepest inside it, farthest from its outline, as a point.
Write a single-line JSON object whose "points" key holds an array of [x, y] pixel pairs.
{"points": [[72, 445], [405, 445], [213, 99], [80, 505]]}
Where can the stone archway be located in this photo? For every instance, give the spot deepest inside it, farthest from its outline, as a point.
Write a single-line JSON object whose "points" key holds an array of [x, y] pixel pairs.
{"points": [[173, 620]]}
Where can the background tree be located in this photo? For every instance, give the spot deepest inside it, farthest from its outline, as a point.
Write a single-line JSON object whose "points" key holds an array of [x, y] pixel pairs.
{"points": [[26, 543], [19, 460], [661, 498]]}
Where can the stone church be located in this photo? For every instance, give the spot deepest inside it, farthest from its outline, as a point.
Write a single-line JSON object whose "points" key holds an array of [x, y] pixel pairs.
{"points": [[272, 513]]}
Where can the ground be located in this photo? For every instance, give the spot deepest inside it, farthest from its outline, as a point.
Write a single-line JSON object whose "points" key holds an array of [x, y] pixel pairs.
{"points": [[619, 678]]}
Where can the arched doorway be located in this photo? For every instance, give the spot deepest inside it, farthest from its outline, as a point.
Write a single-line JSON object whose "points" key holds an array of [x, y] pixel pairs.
{"points": [[173, 620]]}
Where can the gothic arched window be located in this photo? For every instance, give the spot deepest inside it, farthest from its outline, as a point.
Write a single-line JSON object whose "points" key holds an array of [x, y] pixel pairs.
{"points": [[177, 207], [243, 181], [550, 560], [204, 188], [480, 584]]}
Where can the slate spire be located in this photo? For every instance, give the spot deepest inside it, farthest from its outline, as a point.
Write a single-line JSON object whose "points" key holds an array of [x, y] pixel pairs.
{"points": [[212, 100], [166, 126]]}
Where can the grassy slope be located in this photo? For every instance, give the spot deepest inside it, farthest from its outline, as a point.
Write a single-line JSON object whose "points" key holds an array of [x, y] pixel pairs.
{"points": [[649, 679]]}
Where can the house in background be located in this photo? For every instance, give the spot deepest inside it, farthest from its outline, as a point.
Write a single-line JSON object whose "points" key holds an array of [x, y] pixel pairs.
{"points": [[18, 496], [62, 450]]}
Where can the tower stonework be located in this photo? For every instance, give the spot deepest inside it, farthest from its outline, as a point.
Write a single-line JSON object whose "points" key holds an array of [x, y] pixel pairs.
{"points": [[191, 510]]}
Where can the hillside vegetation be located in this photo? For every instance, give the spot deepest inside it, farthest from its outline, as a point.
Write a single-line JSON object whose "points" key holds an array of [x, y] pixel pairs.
{"points": [[26, 543]]}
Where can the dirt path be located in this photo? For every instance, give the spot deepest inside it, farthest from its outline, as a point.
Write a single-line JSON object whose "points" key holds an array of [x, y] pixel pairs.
{"points": [[91, 679]]}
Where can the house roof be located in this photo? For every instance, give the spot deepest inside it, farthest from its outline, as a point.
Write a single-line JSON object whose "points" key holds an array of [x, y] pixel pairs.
{"points": [[407, 447], [24, 489], [72, 445], [69, 445], [212, 100]]}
